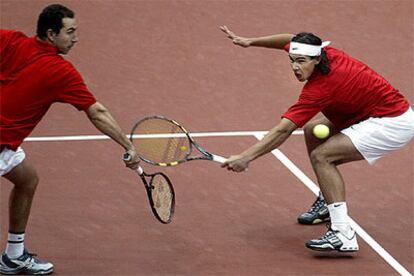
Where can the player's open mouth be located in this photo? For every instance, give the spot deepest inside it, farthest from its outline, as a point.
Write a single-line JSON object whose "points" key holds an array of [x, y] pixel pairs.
{"points": [[298, 75]]}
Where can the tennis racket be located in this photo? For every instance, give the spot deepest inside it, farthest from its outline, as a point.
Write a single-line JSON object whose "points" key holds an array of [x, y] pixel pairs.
{"points": [[164, 142], [160, 193]]}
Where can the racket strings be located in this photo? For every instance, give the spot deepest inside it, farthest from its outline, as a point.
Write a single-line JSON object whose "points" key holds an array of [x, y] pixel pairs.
{"points": [[162, 197], [171, 147]]}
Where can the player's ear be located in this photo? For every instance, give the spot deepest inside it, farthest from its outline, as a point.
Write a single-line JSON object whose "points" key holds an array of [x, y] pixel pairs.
{"points": [[50, 35], [318, 60]]}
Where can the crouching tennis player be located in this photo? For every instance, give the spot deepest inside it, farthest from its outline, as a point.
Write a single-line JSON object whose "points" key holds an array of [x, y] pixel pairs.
{"points": [[368, 118]]}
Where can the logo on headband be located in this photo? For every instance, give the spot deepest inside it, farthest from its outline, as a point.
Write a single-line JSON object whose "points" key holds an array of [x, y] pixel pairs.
{"points": [[299, 48]]}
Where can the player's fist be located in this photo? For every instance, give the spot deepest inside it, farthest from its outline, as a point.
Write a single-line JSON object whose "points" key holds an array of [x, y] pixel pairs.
{"points": [[236, 163], [131, 159]]}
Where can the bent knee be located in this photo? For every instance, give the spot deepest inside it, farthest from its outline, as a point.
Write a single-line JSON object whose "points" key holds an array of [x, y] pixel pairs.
{"points": [[29, 183], [34, 182], [321, 155]]}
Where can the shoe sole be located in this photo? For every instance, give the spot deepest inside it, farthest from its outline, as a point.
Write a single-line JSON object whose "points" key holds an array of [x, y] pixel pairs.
{"points": [[42, 272], [351, 249], [343, 250]]}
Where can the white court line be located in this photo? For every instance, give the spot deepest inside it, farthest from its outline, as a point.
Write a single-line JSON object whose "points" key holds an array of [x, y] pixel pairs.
{"points": [[104, 137], [361, 232]]}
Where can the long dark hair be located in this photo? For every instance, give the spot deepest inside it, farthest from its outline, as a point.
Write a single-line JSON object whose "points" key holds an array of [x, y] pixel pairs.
{"points": [[309, 38], [51, 18]]}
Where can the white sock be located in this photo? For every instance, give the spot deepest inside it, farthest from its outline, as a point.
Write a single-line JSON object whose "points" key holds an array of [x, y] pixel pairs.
{"points": [[339, 217], [15, 245]]}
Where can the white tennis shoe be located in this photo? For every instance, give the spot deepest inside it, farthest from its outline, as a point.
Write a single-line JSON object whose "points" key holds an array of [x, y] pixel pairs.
{"points": [[335, 240], [25, 264]]}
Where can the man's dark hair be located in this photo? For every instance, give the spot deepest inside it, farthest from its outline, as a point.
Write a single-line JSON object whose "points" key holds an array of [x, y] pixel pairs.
{"points": [[51, 18], [309, 38]]}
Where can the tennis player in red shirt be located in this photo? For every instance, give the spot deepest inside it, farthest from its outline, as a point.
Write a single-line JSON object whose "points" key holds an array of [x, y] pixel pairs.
{"points": [[367, 117], [33, 76]]}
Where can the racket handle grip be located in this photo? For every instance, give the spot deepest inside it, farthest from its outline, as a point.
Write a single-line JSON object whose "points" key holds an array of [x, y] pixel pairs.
{"points": [[128, 157], [219, 159], [140, 171]]}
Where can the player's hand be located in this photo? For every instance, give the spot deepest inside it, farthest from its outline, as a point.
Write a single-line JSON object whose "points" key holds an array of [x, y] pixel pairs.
{"points": [[238, 40], [236, 163], [132, 160]]}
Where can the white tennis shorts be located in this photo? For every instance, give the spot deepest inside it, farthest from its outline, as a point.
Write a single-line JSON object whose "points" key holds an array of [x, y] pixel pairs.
{"points": [[376, 137], [9, 159]]}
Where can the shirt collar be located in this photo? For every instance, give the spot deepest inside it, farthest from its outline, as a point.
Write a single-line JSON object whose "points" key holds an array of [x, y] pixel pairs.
{"points": [[47, 47]]}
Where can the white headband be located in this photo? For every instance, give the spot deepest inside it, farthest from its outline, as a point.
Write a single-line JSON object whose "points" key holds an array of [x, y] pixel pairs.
{"points": [[298, 48]]}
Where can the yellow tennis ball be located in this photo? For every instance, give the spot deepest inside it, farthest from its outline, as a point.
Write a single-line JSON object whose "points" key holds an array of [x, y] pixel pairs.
{"points": [[183, 148], [321, 131]]}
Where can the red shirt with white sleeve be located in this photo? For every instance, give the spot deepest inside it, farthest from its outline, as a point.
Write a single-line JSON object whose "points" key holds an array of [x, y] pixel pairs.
{"points": [[33, 76], [351, 92]]}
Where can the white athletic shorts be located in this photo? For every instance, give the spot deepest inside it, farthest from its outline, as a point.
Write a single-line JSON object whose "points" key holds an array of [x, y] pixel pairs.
{"points": [[376, 137], [9, 159]]}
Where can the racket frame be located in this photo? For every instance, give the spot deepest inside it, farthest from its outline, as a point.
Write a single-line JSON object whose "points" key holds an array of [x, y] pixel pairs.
{"points": [[205, 154], [149, 188]]}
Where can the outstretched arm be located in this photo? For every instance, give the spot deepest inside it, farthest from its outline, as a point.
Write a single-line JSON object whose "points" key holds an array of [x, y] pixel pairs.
{"points": [[276, 137], [103, 120], [277, 41]]}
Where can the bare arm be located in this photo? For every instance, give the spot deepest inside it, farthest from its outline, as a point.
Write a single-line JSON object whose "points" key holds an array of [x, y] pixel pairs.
{"points": [[277, 41], [276, 137], [103, 121]]}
